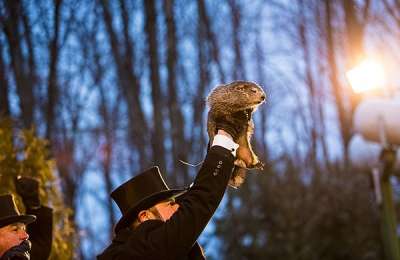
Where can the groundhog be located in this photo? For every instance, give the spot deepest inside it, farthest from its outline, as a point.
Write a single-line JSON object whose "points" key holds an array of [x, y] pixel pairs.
{"points": [[224, 100]]}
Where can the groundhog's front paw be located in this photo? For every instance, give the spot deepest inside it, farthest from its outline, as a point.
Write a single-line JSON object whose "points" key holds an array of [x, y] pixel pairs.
{"points": [[240, 163]]}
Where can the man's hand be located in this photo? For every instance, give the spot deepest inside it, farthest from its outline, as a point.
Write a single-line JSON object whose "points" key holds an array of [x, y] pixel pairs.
{"points": [[20, 252], [28, 189], [235, 124]]}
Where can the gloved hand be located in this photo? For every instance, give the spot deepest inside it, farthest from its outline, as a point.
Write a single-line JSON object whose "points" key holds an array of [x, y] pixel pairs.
{"points": [[235, 124], [28, 189], [20, 252]]}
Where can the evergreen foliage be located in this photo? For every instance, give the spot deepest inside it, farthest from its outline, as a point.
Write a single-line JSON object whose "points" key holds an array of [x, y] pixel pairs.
{"points": [[24, 154]]}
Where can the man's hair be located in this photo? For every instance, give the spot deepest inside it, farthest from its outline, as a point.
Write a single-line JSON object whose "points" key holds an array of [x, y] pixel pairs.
{"points": [[153, 210]]}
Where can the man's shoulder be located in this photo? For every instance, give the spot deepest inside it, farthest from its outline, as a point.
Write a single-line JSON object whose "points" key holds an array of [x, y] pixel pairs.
{"points": [[129, 236]]}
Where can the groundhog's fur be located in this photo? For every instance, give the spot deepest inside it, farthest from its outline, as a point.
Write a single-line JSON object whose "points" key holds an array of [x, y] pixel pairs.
{"points": [[225, 100]]}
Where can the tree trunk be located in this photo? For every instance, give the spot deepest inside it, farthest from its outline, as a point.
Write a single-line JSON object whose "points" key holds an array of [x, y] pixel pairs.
{"points": [[198, 143], [310, 84], [52, 84], [157, 138], [24, 77], [202, 12], [238, 68], [129, 83], [109, 116], [344, 122], [179, 146], [4, 88]]}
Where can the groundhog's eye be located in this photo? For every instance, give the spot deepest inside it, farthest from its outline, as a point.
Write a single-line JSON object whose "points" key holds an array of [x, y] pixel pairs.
{"points": [[254, 90]]}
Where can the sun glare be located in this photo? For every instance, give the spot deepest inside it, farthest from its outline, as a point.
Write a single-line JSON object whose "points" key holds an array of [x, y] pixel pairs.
{"points": [[367, 76]]}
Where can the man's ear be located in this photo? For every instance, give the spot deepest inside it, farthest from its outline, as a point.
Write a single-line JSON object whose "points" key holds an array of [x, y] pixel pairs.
{"points": [[142, 216]]}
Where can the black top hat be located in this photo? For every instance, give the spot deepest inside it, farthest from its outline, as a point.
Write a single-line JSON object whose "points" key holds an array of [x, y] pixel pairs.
{"points": [[9, 213], [139, 193]]}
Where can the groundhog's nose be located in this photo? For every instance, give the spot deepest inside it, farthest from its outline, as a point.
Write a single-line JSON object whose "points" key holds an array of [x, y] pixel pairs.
{"points": [[263, 97]]}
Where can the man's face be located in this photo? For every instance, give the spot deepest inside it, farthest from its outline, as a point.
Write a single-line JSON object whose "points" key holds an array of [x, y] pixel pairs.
{"points": [[12, 235], [167, 208]]}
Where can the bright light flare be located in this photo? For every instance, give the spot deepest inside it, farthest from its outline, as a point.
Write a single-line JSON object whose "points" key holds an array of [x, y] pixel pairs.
{"points": [[367, 76]]}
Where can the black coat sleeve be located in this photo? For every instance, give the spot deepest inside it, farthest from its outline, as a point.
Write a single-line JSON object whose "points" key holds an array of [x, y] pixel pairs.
{"points": [[175, 238], [41, 232]]}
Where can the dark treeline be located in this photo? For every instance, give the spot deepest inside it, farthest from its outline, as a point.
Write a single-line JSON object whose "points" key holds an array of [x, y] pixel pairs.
{"points": [[118, 86]]}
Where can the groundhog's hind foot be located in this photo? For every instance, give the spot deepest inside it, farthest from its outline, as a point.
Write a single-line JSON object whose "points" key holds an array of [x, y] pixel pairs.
{"points": [[238, 177]]}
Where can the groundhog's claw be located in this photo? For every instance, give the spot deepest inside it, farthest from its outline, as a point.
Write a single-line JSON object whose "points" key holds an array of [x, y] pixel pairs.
{"points": [[259, 166]]}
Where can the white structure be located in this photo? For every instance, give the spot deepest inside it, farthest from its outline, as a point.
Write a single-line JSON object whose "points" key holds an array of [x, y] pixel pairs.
{"points": [[364, 153], [378, 120]]}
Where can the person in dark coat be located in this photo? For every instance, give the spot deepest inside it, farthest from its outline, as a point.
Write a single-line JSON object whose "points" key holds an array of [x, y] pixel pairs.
{"points": [[40, 231], [14, 243], [16, 229], [162, 223]]}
